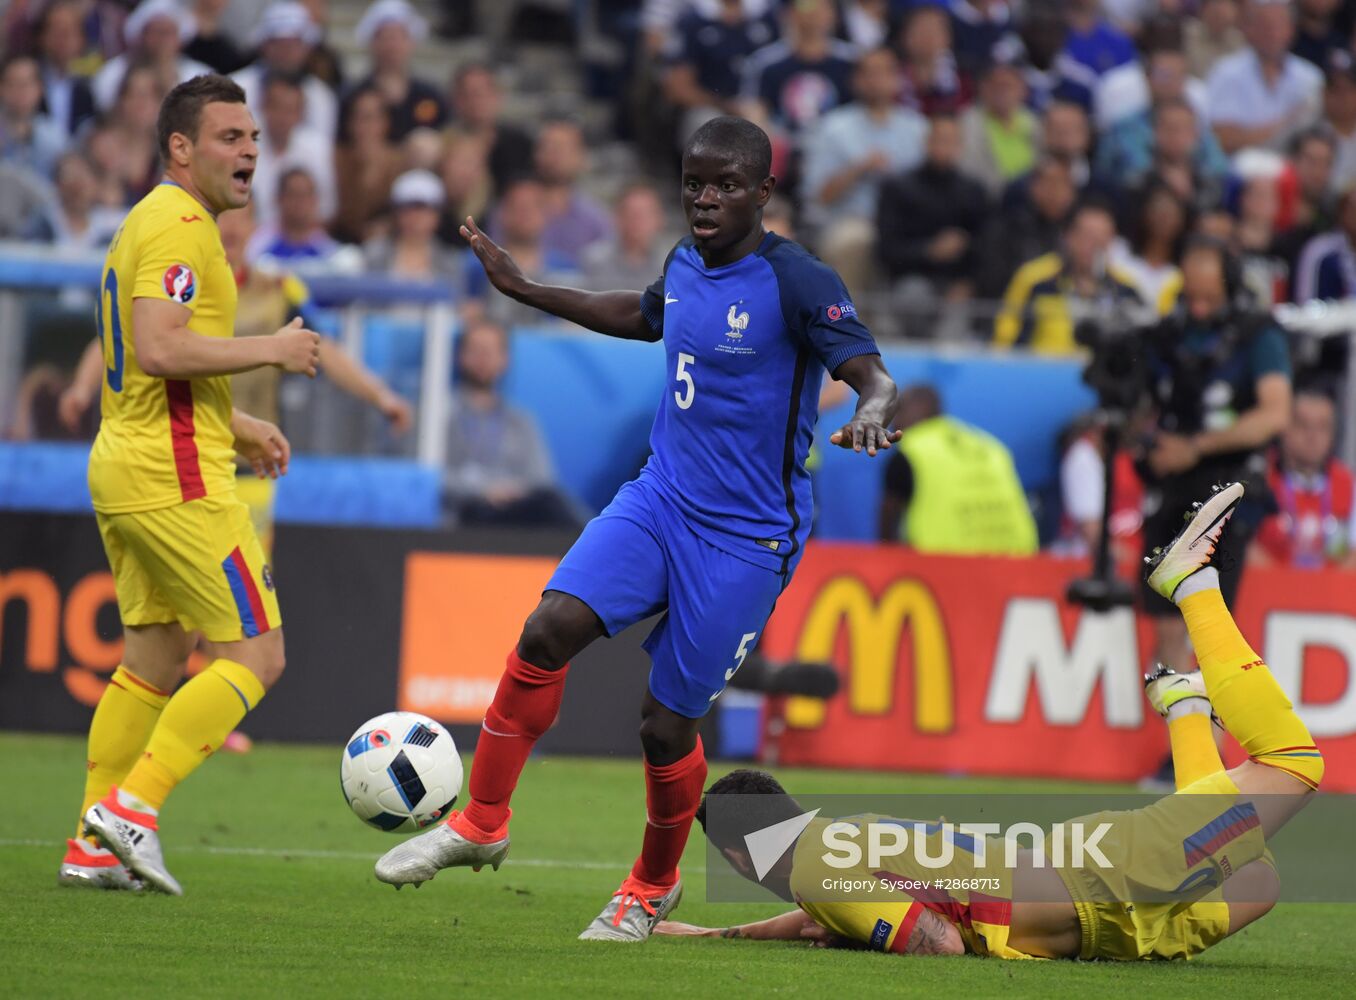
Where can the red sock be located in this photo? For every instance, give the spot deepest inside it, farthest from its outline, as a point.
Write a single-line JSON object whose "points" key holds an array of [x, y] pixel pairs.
{"points": [[672, 794], [525, 705]]}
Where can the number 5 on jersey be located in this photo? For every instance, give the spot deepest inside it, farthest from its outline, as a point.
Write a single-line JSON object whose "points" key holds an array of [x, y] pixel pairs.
{"points": [[685, 396], [740, 653]]}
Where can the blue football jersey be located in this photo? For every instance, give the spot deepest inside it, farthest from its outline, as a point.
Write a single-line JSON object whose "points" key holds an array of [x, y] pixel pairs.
{"points": [[747, 347]]}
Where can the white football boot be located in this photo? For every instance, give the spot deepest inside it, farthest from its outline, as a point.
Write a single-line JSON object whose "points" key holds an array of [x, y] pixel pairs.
{"points": [[420, 858], [133, 837], [1193, 548], [94, 868], [629, 916]]}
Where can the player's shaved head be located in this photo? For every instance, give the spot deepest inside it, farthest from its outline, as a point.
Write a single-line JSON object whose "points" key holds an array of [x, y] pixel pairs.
{"points": [[737, 138]]}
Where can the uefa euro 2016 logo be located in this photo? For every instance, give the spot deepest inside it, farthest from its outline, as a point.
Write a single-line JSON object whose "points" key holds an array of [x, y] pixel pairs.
{"points": [[179, 282]]}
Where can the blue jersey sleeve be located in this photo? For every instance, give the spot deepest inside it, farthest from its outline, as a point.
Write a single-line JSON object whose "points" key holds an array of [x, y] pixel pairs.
{"points": [[652, 299], [817, 307]]}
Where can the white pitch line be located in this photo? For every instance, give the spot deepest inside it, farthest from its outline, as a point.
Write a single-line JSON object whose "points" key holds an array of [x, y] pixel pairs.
{"points": [[303, 852]]}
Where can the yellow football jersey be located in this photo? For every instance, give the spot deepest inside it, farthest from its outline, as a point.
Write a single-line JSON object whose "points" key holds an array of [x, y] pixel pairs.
{"points": [[879, 905], [163, 441]]}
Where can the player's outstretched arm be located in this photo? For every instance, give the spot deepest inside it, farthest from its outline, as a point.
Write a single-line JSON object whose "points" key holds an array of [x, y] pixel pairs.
{"points": [[616, 314], [167, 348], [349, 374], [261, 444], [869, 428], [794, 926]]}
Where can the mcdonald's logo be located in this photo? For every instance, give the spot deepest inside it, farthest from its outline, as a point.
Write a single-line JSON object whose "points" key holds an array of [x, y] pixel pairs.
{"points": [[875, 631]]}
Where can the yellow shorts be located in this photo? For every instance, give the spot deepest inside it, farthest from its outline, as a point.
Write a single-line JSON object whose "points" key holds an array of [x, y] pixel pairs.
{"points": [[199, 564], [1162, 896]]}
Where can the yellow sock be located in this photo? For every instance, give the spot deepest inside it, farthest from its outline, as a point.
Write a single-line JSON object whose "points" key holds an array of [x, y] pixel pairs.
{"points": [[195, 722], [122, 724], [1194, 754], [1250, 703]]}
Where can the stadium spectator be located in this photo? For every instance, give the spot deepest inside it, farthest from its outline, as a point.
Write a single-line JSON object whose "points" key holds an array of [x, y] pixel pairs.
{"points": [[1313, 526], [390, 30], [23, 195], [1093, 41], [366, 164], [412, 251], [634, 257], [74, 220], [464, 167], [497, 470], [476, 102], [286, 36], [1066, 135], [1147, 257], [1130, 91], [1339, 113], [285, 141], [706, 57], [1317, 35], [28, 138], [976, 27], [1312, 158], [298, 235], [1327, 266], [155, 33], [853, 149], [927, 222], [66, 95], [1212, 35], [1048, 295], [1171, 140], [520, 221], [1082, 494], [268, 299], [1028, 226], [211, 44], [1038, 52], [574, 219], [323, 62], [1257, 238], [950, 487], [794, 81], [1263, 95], [932, 81], [999, 133], [125, 145]]}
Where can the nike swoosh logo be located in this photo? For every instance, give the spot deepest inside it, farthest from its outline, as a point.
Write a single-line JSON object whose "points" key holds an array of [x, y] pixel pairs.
{"points": [[668, 299]]}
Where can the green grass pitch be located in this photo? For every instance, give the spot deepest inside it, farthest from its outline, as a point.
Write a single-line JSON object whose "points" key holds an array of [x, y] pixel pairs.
{"points": [[281, 902]]}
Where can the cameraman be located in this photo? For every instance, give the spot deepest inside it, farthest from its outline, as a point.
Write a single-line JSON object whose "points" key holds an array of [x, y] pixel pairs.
{"points": [[1218, 371]]}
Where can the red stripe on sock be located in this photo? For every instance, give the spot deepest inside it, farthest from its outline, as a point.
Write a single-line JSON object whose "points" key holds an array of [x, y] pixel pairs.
{"points": [[111, 803], [672, 794], [183, 438], [142, 684], [1294, 774]]}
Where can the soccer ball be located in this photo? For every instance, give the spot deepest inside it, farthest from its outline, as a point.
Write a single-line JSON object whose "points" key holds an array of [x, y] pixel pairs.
{"points": [[400, 771]]}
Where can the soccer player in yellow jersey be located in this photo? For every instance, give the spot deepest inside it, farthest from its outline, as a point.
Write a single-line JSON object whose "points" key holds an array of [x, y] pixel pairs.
{"points": [[1185, 872], [183, 553]]}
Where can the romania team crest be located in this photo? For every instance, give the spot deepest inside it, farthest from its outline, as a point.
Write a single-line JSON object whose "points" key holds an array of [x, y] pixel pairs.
{"points": [[180, 285]]}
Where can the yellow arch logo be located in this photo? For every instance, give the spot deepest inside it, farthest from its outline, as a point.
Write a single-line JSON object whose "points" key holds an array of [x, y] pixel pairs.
{"points": [[875, 629]]}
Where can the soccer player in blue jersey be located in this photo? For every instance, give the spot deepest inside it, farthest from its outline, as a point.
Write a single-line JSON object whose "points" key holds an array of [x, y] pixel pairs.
{"points": [[712, 528]]}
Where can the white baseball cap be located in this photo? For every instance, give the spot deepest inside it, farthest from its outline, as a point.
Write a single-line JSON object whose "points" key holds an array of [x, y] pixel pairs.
{"points": [[149, 11], [286, 20], [390, 12], [417, 187]]}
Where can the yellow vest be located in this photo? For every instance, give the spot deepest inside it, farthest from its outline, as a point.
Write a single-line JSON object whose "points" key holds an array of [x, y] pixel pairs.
{"points": [[967, 499]]}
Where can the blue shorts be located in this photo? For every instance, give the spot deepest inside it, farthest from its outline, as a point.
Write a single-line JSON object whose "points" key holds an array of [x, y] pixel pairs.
{"points": [[640, 557]]}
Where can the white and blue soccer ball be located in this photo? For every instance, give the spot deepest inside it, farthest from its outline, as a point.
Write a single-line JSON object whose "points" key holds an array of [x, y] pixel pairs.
{"points": [[401, 771]]}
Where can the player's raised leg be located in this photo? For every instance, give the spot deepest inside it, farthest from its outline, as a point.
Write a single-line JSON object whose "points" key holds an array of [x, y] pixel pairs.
{"points": [[525, 705], [1182, 702], [1285, 764], [153, 661]]}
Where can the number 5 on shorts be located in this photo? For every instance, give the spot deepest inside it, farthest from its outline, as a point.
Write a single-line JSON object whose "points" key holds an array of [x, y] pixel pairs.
{"points": [[740, 654]]}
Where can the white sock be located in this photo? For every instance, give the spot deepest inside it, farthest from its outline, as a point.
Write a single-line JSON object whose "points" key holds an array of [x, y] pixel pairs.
{"points": [[1188, 706], [135, 804], [1202, 579]]}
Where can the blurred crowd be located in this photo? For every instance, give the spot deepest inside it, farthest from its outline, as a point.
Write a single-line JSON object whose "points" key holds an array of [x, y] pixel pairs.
{"points": [[975, 169]]}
